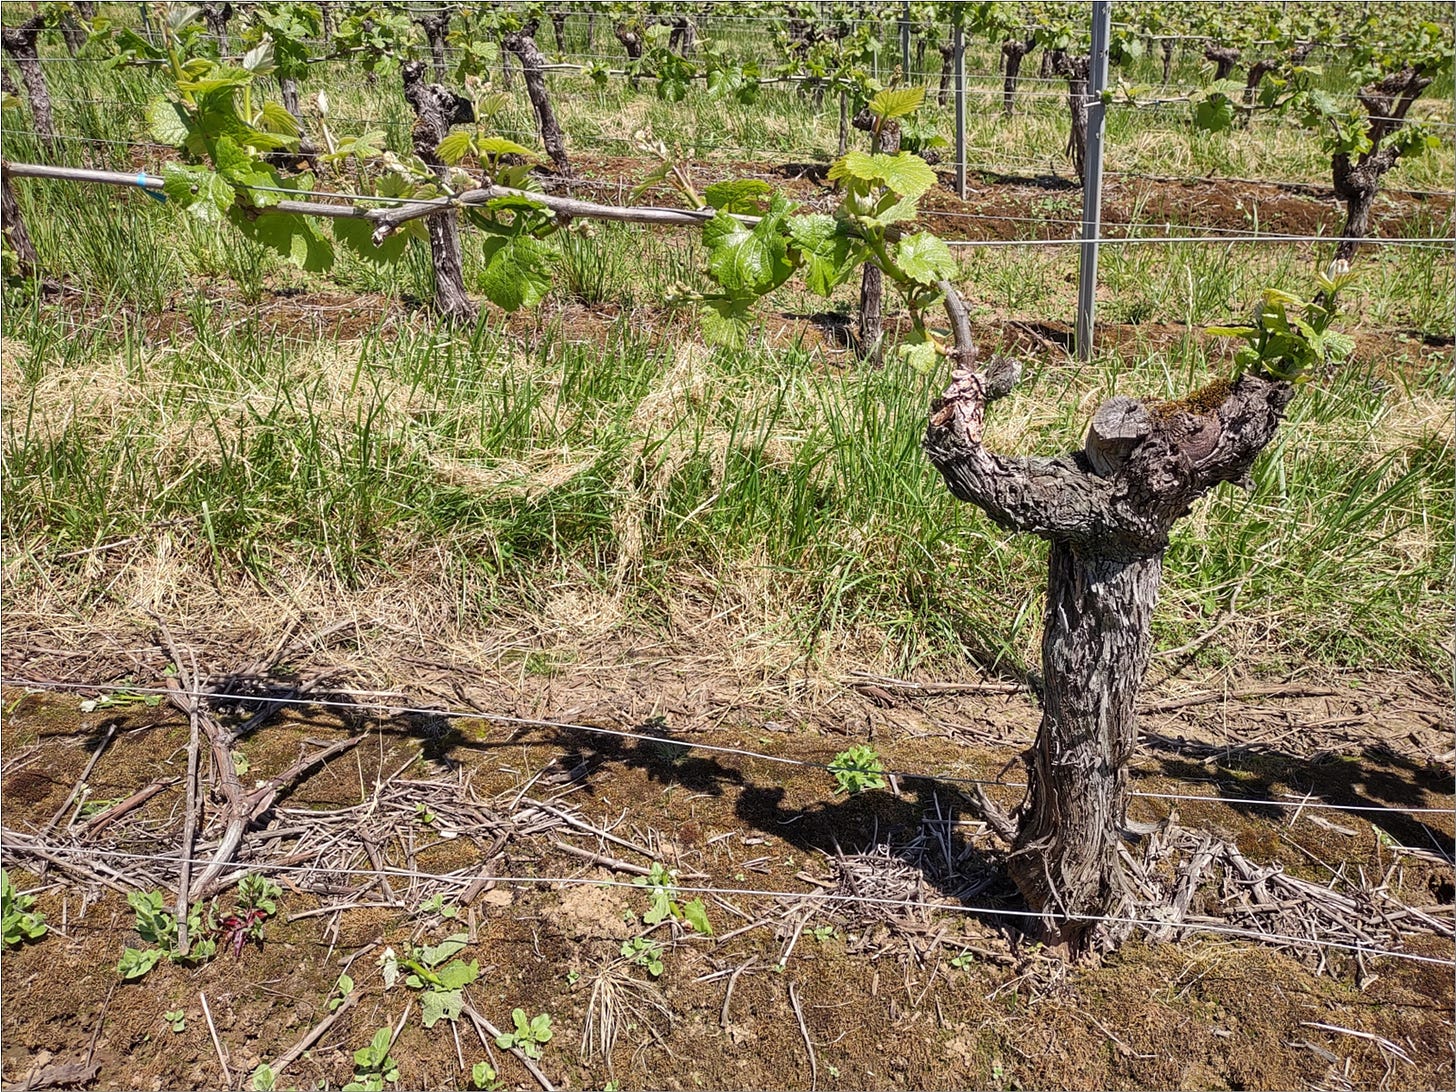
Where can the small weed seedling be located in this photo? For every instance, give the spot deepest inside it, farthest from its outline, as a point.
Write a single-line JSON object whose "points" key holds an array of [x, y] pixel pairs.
{"points": [[528, 1034], [264, 1079], [825, 933], [176, 1019], [120, 699], [342, 989], [644, 953], [19, 924], [857, 769], [256, 902], [373, 1065], [483, 1077], [436, 904], [962, 961], [438, 976], [663, 902]]}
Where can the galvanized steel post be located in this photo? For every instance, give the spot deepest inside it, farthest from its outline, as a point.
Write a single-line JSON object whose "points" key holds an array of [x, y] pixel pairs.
{"points": [[959, 42], [1092, 177]]}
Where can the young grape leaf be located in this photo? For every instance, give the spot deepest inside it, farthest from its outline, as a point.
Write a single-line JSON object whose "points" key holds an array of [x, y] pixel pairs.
{"points": [[827, 255], [749, 261], [167, 121], [517, 270], [206, 194], [924, 258], [741, 195], [905, 173], [454, 147], [293, 236], [725, 322], [897, 102], [1214, 115], [498, 146], [358, 236]]}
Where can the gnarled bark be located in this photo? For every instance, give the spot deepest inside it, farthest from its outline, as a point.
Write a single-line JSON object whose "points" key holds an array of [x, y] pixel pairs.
{"points": [[558, 28], [20, 43], [947, 70], [1223, 57], [523, 44], [13, 224], [1357, 179], [630, 35], [436, 26], [1107, 511], [682, 35], [436, 109], [217, 16], [1075, 69], [1168, 45], [1013, 50]]}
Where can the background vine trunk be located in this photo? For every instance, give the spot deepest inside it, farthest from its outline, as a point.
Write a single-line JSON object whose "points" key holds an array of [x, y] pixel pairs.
{"points": [[436, 109], [523, 44]]}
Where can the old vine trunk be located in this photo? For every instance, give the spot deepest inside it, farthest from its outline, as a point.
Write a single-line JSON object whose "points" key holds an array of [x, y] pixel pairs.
{"points": [[436, 109], [523, 44], [20, 43], [1357, 177], [1013, 50], [1107, 511]]}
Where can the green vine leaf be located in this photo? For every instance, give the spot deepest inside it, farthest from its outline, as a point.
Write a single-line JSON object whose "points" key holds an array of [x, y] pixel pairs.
{"points": [[742, 195], [517, 270], [897, 103], [827, 254], [749, 261], [167, 122], [925, 258], [905, 173]]}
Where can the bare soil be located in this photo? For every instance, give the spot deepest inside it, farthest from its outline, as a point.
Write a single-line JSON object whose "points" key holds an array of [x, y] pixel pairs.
{"points": [[879, 996]]}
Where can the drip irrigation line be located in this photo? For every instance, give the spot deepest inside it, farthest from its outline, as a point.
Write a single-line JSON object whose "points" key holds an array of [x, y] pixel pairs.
{"points": [[527, 722], [91, 853]]}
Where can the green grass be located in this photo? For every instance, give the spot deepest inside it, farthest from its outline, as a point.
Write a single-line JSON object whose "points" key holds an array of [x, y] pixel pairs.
{"points": [[487, 474], [626, 465]]}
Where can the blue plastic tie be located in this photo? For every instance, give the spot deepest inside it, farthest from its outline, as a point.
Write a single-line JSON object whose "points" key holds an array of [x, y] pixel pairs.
{"points": [[141, 180]]}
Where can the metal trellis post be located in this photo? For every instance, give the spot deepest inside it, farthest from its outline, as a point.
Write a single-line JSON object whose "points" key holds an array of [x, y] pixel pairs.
{"points": [[905, 41], [959, 42], [1092, 177]]}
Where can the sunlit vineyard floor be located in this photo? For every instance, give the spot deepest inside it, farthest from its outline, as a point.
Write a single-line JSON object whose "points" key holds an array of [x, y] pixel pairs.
{"points": [[877, 991]]}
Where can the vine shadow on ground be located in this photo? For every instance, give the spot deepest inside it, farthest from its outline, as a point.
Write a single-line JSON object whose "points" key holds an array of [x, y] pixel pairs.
{"points": [[912, 829], [1377, 777]]}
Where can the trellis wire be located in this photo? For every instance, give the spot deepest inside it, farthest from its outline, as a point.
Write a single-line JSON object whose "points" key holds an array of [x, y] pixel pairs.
{"points": [[1438, 242], [389, 709], [89, 852]]}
